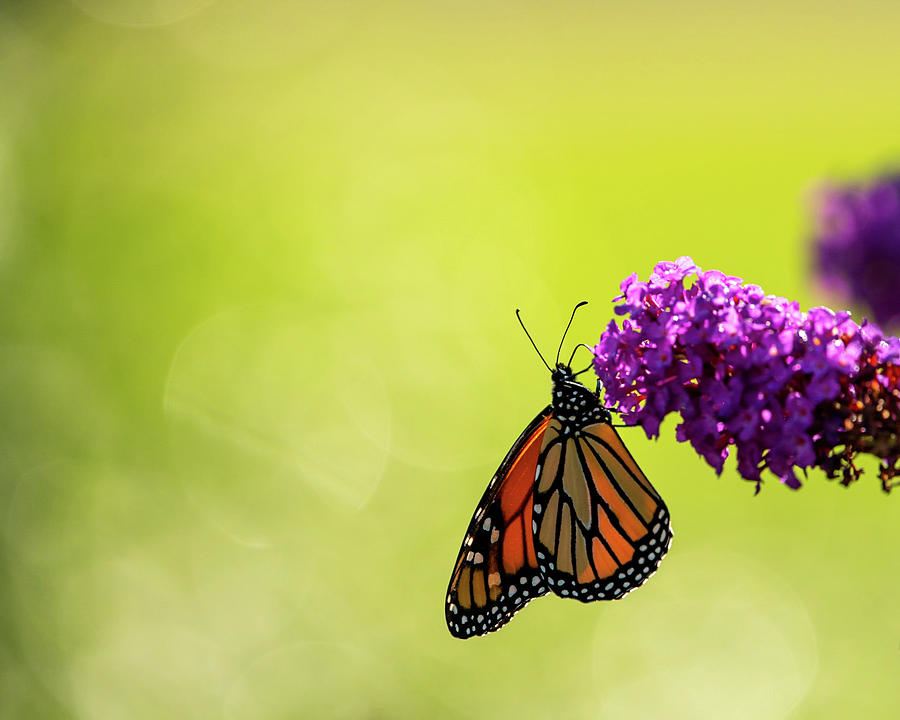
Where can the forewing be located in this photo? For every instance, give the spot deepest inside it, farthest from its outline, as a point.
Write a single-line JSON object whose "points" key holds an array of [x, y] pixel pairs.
{"points": [[600, 528], [496, 572]]}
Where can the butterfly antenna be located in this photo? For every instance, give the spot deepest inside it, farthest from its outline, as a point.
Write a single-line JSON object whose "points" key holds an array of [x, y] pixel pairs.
{"points": [[579, 345], [532, 340], [583, 302]]}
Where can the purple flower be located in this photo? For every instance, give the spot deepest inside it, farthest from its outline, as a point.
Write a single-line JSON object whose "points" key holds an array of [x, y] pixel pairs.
{"points": [[856, 246], [790, 390]]}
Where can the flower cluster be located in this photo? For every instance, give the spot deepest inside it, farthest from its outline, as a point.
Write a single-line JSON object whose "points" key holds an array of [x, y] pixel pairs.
{"points": [[790, 390], [857, 246]]}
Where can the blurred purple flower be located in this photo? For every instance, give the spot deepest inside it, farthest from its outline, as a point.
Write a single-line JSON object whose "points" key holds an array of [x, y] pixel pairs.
{"points": [[790, 390], [857, 246]]}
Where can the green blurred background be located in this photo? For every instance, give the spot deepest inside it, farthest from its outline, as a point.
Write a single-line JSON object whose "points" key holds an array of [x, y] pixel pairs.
{"points": [[258, 266]]}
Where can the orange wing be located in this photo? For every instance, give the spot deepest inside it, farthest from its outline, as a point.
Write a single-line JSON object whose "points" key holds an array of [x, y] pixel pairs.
{"points": [[600, 527], [496, 572]]}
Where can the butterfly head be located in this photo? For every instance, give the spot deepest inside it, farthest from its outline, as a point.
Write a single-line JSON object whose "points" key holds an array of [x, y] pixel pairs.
{"points": [[562, 373]]}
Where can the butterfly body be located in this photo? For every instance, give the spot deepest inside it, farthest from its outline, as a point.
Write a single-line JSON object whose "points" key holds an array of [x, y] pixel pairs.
{"points": [[574, 406], [568, 511]]}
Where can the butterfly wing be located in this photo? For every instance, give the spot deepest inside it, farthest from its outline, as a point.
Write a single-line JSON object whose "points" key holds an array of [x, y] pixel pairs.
{"points": [[496, 572], [600, 528]]}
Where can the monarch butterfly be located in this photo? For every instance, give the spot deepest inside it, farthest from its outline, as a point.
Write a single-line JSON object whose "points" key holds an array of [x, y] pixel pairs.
{"points": [[568, 511]]}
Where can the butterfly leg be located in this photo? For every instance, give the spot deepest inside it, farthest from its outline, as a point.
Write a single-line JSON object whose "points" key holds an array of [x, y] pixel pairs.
{"points": [[597, 393]]}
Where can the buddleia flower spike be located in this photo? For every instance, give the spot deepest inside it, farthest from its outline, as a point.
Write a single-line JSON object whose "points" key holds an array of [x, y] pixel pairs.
{"points": [[856, 246], [747, 372]]}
